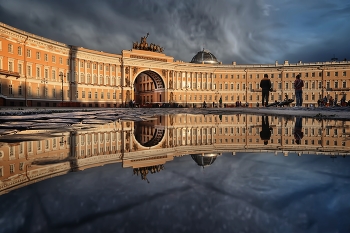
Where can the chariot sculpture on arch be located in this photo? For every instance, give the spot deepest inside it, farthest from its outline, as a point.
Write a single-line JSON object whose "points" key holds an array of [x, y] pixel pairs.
{"points": [[143, 45]]}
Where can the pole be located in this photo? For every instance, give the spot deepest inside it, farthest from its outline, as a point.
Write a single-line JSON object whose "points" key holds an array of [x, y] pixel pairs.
{"points": [[62, 94]]}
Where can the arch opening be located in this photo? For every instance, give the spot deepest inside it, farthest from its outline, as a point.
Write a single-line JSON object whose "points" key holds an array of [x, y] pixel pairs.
{"points": [[149, 89]]}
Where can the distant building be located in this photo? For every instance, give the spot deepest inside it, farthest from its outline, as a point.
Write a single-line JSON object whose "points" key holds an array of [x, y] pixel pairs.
{"points": [[39, 72]]}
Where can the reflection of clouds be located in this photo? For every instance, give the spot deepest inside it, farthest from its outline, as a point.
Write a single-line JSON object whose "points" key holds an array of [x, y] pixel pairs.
{"points": [[285, 194]]}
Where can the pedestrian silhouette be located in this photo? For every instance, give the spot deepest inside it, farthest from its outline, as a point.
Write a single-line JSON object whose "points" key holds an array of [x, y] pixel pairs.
{"points": [[265, 133], [298, 134]]}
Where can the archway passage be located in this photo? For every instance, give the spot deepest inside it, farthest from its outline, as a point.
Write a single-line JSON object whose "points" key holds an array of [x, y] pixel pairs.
{"points": [[149, 89]]}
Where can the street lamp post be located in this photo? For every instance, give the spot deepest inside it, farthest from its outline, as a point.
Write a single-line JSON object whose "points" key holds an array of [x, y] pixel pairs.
{"points": [[45, 81], [62, 76]]}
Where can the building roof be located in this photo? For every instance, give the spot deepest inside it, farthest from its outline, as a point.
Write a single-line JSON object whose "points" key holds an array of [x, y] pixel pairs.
{"points": [[204, 57]]}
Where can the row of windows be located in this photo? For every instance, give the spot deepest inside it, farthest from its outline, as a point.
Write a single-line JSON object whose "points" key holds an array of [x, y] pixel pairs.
{"points": [[102, 95], [94, 66], [38, 54], [53, 58], [258, 76]]}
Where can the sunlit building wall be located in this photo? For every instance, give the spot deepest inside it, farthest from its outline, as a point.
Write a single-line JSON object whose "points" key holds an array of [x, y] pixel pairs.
{"points": [[35, 71]]}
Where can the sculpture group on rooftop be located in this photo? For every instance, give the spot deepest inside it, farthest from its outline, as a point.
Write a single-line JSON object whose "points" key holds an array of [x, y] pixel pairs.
{"points": [[143, 45]]}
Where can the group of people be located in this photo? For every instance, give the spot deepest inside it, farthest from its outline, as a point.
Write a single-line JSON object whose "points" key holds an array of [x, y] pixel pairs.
{"points": [[266, 87], [330, 102]]}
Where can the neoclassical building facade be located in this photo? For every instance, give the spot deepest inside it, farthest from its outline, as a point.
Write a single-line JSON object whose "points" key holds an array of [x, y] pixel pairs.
{"points": [[39, 72]]}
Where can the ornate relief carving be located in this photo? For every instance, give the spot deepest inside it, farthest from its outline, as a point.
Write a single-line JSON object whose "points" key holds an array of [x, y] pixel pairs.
{"points": [[170, 84], [135, 70]]}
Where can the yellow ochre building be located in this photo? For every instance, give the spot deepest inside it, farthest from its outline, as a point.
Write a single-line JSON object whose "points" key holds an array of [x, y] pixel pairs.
{"points": [[39, 72]]}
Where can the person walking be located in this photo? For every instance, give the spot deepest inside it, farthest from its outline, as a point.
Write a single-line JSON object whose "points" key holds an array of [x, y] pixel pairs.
{"points": [[265, 85], [298, 86]]}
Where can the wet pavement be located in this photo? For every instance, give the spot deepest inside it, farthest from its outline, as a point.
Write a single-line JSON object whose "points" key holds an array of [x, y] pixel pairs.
{"points": [[175, 170]]}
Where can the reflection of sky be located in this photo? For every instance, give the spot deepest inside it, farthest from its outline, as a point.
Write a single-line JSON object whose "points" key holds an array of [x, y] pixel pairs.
{"points": [[248, 192]]}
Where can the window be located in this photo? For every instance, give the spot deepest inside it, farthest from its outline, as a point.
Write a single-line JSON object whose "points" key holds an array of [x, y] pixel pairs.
{"points": [[12, 168], [29, 71], [38, 55], [95, 66], [10, 48], [45, 57], [38, 72], [61, 60], [10, 90], [101, 67], [10, 66], [77, 94], [29, 53], [21, 165], [54, 93], [20, 90], [89, 94], [19, 50], [344, 84], [96, 95], [20, 68], [46, 73], [83, 94], [53, 58], [82, 64], [336, 73], [344, 73], [102, 95], [54, 75], [328, 73]]}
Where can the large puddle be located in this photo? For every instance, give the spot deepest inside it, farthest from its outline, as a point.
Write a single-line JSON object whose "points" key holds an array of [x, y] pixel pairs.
{"points": [[177, 173]]}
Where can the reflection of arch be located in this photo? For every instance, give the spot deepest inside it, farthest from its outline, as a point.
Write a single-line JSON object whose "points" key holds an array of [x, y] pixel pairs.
{"points": [[157, 138], [157, 79], [149, 133]]}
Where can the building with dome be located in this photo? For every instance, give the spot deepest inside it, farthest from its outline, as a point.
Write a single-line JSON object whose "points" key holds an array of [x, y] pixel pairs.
{"points": [[204, 57], [39, 72]]}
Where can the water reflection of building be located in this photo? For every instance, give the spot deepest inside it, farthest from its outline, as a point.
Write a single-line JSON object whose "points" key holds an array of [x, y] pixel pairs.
{"points": [[26, 162], [204, 159]]}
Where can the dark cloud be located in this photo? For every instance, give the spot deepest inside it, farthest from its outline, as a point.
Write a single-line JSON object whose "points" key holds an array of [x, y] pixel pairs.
{"points": [[246, 31]]}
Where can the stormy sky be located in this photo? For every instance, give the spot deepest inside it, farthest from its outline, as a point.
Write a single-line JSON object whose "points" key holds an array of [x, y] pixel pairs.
{"points": [[245, 31]]}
